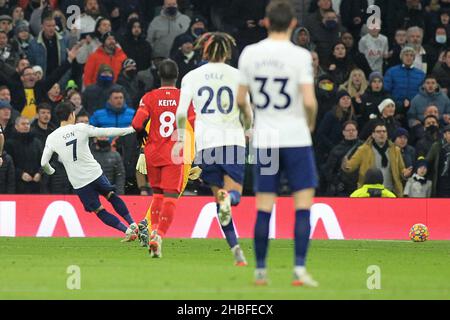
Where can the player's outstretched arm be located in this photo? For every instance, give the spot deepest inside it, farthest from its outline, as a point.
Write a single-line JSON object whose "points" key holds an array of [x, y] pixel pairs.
{"points": [[245, 107], [109, 132], [310, 103], [45, 159]]}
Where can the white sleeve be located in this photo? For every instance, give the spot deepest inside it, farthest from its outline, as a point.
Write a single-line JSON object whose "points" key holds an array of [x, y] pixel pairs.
{"points": [[407, 190], [107, 132], [45, 159], [306, 75], [243, 69], [183, 106]]}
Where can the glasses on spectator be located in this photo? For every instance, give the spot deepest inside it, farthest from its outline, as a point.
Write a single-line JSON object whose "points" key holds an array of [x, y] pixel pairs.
{"points": [[380, 131], [350, 130]]}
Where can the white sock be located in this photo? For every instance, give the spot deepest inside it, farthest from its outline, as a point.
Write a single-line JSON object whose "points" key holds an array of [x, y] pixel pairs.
{"points": [[300, 270]]}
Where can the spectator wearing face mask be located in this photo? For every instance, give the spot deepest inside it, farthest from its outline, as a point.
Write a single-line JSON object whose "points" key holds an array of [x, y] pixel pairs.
{"points": [[325, 35], [164, 28], [438, 44], [431, 135], [196, 29], [326, 91], [95, 96]]}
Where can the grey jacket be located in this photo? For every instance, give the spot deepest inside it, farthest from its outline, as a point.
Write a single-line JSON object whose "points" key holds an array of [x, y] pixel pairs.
{"points": [[162, 32], [423, 99]]}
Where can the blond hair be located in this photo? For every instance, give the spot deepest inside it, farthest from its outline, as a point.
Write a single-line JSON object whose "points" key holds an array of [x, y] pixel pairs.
{"points": [[350, 87]]}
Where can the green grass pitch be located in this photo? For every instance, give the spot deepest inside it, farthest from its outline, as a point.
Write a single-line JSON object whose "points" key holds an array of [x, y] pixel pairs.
{"points": [[36, 268]]}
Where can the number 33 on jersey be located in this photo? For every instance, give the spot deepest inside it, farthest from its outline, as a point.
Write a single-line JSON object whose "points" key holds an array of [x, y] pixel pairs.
{"points": [[160, 106]]}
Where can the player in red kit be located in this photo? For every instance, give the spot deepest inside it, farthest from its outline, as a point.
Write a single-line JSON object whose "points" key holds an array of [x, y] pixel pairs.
{"points": [[167, 179]]}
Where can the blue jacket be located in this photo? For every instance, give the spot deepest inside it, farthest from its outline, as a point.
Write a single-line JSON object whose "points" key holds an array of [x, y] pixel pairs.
{"points": [[403, 83], [37, 53], [108, 117]]}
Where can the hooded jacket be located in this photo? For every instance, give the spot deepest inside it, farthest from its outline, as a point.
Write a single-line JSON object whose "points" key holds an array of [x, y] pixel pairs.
{"points": [[137, 49], [423, 99], [309, 45]]}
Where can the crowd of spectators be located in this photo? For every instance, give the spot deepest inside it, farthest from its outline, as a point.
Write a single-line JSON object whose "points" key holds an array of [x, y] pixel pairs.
{"points": [[382, 85]]}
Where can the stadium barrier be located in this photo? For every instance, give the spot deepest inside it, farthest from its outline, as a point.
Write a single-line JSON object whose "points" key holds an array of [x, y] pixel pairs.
{"points": [[332, 218]]}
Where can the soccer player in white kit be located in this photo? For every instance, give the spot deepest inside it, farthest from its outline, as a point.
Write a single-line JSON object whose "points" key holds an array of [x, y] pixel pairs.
{"points": [[219, 134], [71, 142], [279, 77]]}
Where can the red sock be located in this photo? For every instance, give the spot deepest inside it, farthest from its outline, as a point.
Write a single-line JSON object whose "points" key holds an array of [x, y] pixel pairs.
{"points": [[155, 209], [167, 213]]}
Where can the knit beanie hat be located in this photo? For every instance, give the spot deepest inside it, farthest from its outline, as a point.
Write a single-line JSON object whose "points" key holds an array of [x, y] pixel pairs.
{"points": [[384, 104], [375, 75]]}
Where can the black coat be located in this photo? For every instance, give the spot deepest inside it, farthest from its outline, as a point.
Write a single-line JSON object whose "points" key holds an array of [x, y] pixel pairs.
{"points": [[442, 74], [241, 11], [326, 100], [350, 9], [7, 175], [26, 151], [95, 96], [40, 133], [329, 133], [58, 183], [132, 89], [343, 69], [370, 101], [183, 67], [340, 183], [138, 49]]}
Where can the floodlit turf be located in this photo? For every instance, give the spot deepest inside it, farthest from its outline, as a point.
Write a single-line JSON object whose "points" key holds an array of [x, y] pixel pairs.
{"points": [[36, 268]]}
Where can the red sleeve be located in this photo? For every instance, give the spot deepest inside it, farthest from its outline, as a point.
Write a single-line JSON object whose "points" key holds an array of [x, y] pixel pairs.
{"points": [[142, 115], [90, 70], [191, 116]]}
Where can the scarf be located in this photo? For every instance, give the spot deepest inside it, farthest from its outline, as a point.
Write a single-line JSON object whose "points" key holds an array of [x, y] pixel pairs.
{"points": [[382, 152], [421, 180]]}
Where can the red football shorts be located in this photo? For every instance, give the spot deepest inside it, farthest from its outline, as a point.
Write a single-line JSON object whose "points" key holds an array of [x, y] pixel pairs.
{"points": [[171, 177]]}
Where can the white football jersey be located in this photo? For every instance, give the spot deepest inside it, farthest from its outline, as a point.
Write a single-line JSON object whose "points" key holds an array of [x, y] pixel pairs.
{"points": [[212, 88], [71, 143], [273, 71]]}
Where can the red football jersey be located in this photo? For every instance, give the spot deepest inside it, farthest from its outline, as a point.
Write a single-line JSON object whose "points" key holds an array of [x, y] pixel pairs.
{"points": [[160, 105]]}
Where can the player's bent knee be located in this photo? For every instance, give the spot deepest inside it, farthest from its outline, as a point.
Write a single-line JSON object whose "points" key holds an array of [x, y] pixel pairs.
{"points": [[98, 210], [111, 195]]}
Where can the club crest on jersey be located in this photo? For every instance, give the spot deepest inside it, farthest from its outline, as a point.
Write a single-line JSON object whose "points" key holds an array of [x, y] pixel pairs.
{"points": [[167, 103]]}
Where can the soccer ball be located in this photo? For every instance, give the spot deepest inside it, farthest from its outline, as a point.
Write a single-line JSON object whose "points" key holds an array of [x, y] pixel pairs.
{"points": [[419, 233]]}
